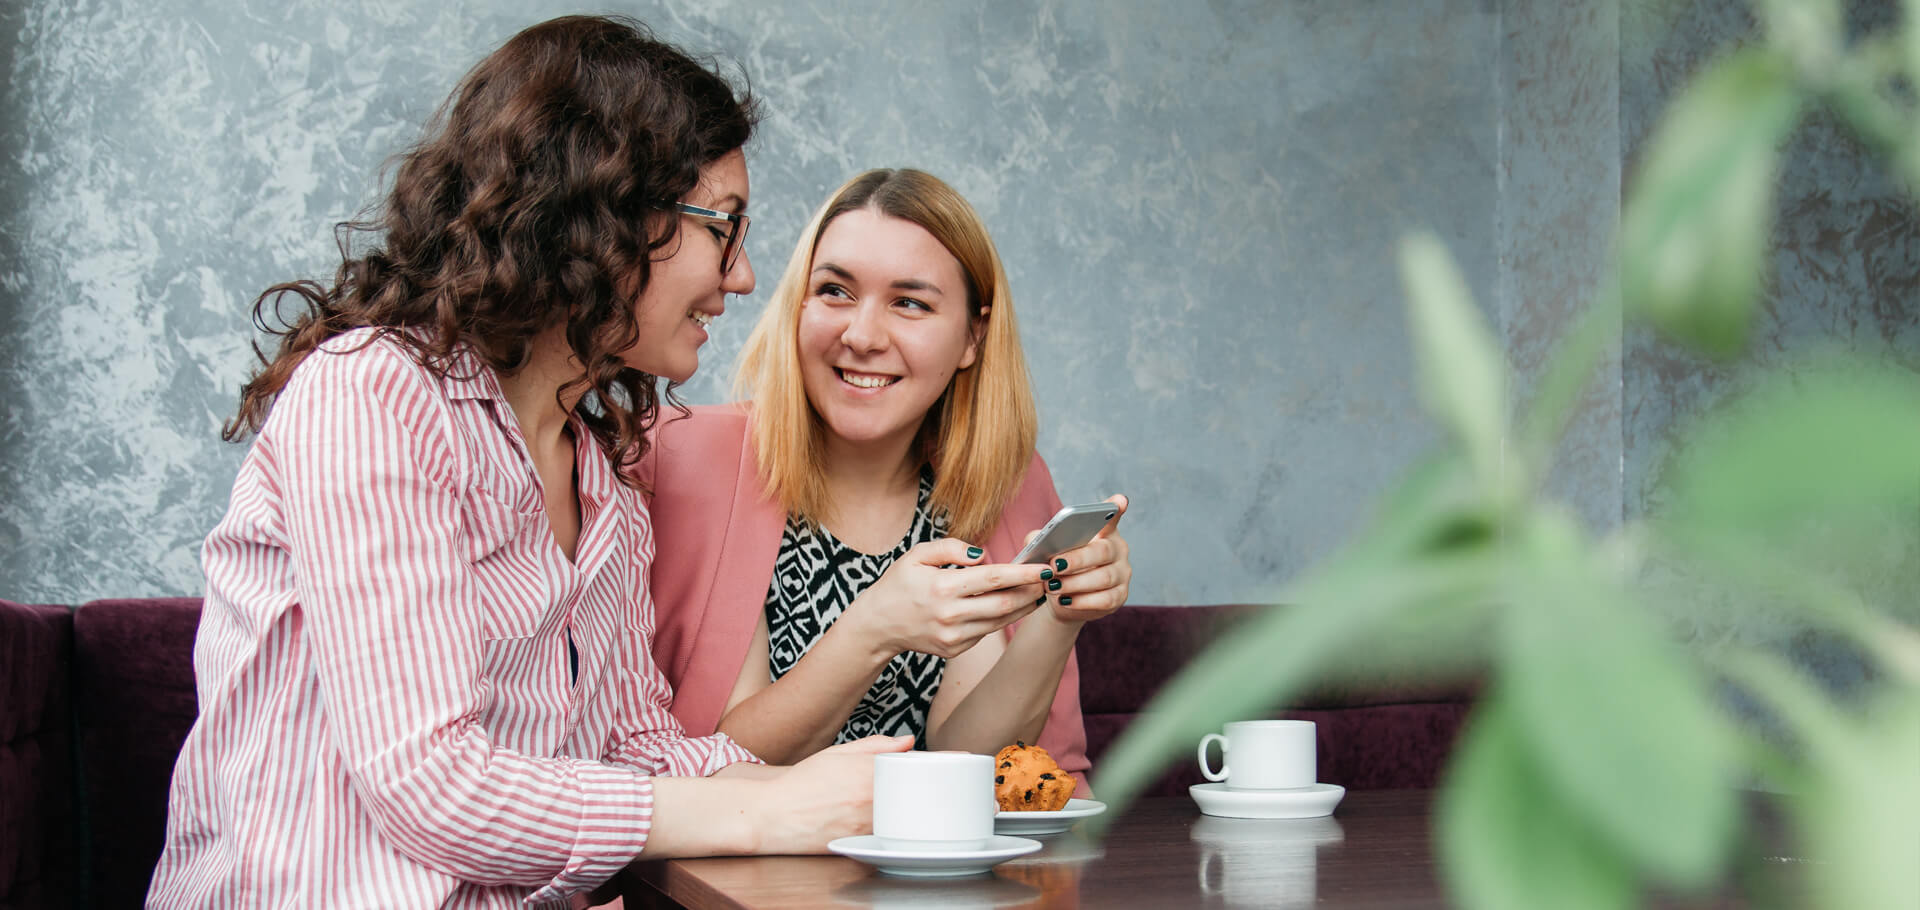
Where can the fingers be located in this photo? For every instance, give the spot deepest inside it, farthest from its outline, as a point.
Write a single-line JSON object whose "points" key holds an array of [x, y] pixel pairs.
{"points": [[1098, 552], [973, 581], [1120, 510], [947, 551]]}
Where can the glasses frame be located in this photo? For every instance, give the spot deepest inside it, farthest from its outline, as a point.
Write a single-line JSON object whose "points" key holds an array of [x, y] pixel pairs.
{"points": [[736, 230]]}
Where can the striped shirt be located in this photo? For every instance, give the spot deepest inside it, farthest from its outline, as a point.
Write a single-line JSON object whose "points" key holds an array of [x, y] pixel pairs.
{"points": [[388, 717]]}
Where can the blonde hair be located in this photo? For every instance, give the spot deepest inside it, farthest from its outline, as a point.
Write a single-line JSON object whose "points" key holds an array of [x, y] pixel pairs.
{"points": [[979, 436]]}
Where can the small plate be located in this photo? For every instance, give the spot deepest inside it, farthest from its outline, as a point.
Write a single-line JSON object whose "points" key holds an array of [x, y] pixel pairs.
{"points": [[1028, 824], [933, 864], [1305, 802]]}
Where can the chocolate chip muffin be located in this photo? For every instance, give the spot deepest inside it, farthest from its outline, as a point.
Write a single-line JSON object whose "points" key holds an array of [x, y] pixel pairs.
{"points": [[1027, 779]]}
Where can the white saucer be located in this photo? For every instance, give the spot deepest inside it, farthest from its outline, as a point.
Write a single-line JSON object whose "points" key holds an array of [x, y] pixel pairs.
{"points": [[1030, 824], [928, 864], [1305, 802]]}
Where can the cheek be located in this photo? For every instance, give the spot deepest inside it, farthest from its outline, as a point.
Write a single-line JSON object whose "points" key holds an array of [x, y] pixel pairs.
{"points": [[819, 331]]}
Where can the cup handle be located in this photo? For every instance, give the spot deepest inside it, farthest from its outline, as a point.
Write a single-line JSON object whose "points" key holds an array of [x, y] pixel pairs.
{"points": [[1207, 772]]}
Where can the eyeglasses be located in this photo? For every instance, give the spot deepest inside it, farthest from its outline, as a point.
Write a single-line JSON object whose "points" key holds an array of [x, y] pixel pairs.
{"points": [[736, 230]]}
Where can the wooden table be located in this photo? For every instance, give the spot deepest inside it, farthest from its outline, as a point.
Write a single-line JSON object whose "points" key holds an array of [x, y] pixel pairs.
{"points": [[1374, 851]]}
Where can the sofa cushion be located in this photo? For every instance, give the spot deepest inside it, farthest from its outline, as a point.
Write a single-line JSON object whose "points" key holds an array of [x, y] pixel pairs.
{"points": [[36, 756], [133, 678], [1382, 732]]}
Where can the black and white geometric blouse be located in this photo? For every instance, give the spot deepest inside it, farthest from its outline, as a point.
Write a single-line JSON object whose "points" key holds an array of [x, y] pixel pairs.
{"points": [[815, 577]]}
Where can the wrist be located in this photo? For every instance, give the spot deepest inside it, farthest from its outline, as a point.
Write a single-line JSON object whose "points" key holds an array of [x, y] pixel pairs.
{"points": [[866, 636], [1051, 624]]}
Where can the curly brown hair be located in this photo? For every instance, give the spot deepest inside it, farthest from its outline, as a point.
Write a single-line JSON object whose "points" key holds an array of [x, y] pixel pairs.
{"points": [[532, 198]]}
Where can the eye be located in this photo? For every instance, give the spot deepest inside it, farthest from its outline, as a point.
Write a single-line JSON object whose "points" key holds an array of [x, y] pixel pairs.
{"points": [[832, 291], [719, 233], [911, 303]]}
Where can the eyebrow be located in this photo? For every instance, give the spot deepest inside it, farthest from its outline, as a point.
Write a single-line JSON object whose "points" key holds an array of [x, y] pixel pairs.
{"points": [[904, 284], [731, 202]]}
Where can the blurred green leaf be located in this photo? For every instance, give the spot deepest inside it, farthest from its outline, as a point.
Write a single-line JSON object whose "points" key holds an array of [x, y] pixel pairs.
{"points": [[1506, 841], [1817, 439], [1462, 370], [1603, 697], [1809, 30], [1861, 823], [1695, 228]]}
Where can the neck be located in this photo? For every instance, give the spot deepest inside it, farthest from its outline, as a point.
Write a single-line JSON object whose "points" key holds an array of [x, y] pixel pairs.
{"points": [[863, 471], [532, 391]]}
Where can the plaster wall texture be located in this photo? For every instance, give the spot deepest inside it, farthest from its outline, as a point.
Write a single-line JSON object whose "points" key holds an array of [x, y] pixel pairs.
{"points": [[1199, 206]]}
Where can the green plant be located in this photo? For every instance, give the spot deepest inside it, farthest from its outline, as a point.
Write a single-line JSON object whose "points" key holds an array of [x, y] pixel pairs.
{"points": [[1606, 758]]}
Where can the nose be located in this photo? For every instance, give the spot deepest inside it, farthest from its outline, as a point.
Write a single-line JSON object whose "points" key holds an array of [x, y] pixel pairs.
{"points": [[739, 279], [865, 333]]}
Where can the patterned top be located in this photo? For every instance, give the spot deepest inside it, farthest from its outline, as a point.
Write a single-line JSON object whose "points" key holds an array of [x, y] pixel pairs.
{"points": [[815, 578], [387, 716]]}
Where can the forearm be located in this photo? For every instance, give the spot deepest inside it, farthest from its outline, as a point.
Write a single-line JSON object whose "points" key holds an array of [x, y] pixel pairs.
{"points": [[704, 816], [1011, 702], [801, 713]]}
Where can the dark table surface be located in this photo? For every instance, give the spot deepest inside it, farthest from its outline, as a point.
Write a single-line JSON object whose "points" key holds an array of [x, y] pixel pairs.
{"points": [[1372, 852]]}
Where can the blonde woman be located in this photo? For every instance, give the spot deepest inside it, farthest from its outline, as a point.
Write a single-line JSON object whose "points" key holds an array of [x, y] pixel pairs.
{"points": [[830, 551]]}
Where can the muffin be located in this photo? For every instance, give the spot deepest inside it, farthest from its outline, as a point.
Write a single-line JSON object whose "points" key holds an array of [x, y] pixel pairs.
{"points": [[1027, 779]]}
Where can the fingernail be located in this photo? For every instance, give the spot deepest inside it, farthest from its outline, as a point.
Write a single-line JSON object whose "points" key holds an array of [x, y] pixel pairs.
{"points": [[1046, 574], [1060, 564], [1042, 600], [1053, 585], [1065, 601], [974, 552]]}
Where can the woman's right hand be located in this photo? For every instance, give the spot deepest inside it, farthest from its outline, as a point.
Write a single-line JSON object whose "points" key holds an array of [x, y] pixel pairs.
{"points": [[827, 795], [918, 605]]}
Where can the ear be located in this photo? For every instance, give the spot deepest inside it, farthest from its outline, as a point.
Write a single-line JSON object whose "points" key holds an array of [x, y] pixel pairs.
{"points": [[975, 337]]}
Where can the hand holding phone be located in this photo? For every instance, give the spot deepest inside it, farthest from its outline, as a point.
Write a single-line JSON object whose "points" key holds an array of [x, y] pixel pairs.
{"points": [[1072, 526]]}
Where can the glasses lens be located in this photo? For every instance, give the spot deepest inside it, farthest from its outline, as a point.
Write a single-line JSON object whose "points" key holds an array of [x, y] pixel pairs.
{"points": [[736, 239]]}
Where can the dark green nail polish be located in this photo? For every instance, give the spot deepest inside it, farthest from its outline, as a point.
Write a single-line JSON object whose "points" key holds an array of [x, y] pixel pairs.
{"points": [[974, 552], [1053, 585], [1042, 600], [1046, 574], [1066, 601], [1060, 564]]}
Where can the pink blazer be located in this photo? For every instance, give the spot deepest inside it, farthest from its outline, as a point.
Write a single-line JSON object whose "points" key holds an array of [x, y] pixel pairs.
{"points": [[716, 536]]}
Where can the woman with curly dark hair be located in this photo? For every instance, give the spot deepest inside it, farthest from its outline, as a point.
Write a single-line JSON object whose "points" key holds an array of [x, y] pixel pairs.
{"points": [[423, 670]]}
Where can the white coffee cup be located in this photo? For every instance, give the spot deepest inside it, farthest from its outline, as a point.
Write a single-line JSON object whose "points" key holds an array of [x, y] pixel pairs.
{"points": [[933, 801], [1264, 755]]}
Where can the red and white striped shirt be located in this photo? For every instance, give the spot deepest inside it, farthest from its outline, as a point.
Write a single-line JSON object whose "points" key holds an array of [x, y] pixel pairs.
{"points": [[387, 713]]}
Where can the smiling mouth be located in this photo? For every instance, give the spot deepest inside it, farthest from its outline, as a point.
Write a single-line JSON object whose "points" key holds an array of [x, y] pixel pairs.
{"points": [[866, 380], [701, 319]]}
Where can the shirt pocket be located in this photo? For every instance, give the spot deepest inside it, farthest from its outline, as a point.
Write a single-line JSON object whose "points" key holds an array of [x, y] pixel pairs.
{"points": [[501, 542]]}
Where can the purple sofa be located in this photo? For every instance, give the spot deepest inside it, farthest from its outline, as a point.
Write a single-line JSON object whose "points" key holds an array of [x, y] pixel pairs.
{"points": [[96, 700]]}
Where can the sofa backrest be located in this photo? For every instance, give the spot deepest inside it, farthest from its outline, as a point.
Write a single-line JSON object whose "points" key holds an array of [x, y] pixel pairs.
{"points": [[1390, 734], [37, 825], [133, 679], [132, 686]]}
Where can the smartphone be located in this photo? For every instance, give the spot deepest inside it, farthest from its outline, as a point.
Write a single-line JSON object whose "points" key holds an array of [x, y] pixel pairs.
{"points": [[1068, 528]]}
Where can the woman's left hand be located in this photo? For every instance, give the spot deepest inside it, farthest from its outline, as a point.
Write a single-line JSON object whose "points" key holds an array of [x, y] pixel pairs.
{"points": [[1093, 581]]}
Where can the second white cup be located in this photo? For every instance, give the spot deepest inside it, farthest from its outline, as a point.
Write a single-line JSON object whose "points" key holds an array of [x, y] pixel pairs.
{"points": [[933, 801], [1264, 755]]}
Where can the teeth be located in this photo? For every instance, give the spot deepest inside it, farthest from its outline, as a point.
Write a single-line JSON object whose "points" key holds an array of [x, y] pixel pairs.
{"points": [[702, 319], [867, 382]]}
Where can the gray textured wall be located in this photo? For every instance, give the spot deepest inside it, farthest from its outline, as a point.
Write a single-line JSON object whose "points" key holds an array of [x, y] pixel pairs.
{"points": [[1198, 205]]}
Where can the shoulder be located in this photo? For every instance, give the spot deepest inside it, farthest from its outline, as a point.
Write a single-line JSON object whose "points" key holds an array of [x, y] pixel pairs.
{"points": [[365, 360], [702, 434], [1036, 488], [363, 388]]}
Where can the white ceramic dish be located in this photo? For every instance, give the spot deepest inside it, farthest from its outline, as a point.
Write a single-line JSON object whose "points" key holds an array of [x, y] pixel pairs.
{"points": [[1030, 824], [1305, 802], [933, 864]]}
